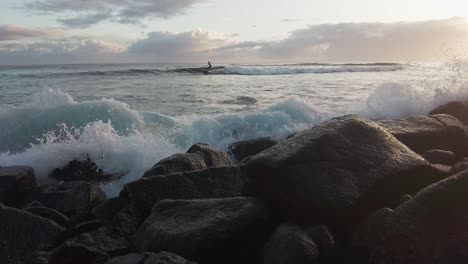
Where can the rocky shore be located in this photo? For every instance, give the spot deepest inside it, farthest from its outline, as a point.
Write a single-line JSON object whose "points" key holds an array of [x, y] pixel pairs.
{"points": [[350, 190]]}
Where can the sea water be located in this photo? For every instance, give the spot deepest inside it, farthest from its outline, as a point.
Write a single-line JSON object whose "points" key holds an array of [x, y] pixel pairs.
{"points": [[126, 117]]}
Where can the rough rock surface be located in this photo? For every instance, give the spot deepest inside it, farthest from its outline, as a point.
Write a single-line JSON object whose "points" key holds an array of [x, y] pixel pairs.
{"points": [[22, 234], [243, 149], [422, 133], [108, 209], [150, 258], [456, 109], [49, 213], [290, 244], [220, 182], [430, 228], [230, 230], [438, 156], [73, 199], [459, 167], [348, 166], [16, 183], [198, 157]]}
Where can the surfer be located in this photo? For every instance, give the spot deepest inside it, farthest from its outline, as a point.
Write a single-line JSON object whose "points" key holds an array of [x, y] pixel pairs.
{"points": [[209, 65]]}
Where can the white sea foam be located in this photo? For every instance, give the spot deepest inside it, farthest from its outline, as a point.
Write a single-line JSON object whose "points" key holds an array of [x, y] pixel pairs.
{"points": [[53, 131], [280, 70]]}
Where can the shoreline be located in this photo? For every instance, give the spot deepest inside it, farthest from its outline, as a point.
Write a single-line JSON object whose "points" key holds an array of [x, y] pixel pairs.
{"points": [[347, 189]]}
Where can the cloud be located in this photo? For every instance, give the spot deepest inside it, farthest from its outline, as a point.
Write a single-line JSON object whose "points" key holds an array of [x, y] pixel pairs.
{"points": [[59, 51], [401, 41], [84, 21], [177, 47], [122, 11], [12, 32], [345, 42]]}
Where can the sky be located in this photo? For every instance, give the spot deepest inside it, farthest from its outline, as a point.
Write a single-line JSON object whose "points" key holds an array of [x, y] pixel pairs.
{"points": [[241, 31]]}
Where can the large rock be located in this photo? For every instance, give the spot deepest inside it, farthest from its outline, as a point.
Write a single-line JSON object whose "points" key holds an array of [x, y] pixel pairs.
{"points": [[430, 228], [69, 253], [290, 244], [16, 183], [74, 199], [422, 133], [150, 258], [438, 156], [347, 166], [22, 233], [456, 109], [459, 167], [108, 209], [49, 213], [82, 170], [243, 149], [219, 182], [230, 230], [198, 157]]}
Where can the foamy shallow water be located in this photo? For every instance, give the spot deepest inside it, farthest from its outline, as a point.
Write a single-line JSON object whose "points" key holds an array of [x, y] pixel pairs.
{"points": [[127, 117]]}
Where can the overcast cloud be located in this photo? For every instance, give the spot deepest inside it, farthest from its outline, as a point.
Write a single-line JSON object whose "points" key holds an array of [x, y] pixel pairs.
{"points": [[345, 42], [12, 32], [88, 13]]}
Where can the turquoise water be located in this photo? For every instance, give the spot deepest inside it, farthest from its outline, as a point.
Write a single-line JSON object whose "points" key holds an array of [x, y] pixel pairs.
{"points": [[126, 117]]}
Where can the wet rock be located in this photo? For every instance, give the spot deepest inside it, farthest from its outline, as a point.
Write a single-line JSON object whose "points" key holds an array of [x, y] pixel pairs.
{"points": [[108, 209], [70, 253], [290, 244], [442, 169], [82, 170], [322, 238], [438, 156], [243, 149], [459, 167], [348, 166], [73, 199], [218, 182], [422, 133], [16, 183], [455, 109], [405, 198], [49, 213], [198, 157], [150, 258], [23, 233], [230, 230], [429, 228]]}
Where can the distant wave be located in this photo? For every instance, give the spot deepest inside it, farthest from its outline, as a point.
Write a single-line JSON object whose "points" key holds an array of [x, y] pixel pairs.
{"points": [[265, 69], [280, 70]]}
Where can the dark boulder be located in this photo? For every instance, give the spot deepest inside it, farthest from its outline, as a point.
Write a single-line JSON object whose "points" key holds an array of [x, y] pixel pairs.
{"points": [[198, 157], [230, 230], [16, 183], [83, 170], [422, 133], [430, 228], [108, 209], [218, 182], [459, 167], [456, 109], [243, 149], [348, 166], [73, 199], [69, 253], [22, 234], [437, 156], [290, 244], [49, 213], [150, 258], [322, 238]]}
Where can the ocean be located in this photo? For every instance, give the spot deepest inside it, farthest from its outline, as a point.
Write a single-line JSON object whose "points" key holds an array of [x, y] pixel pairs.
{"points": [[126, 117]]}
